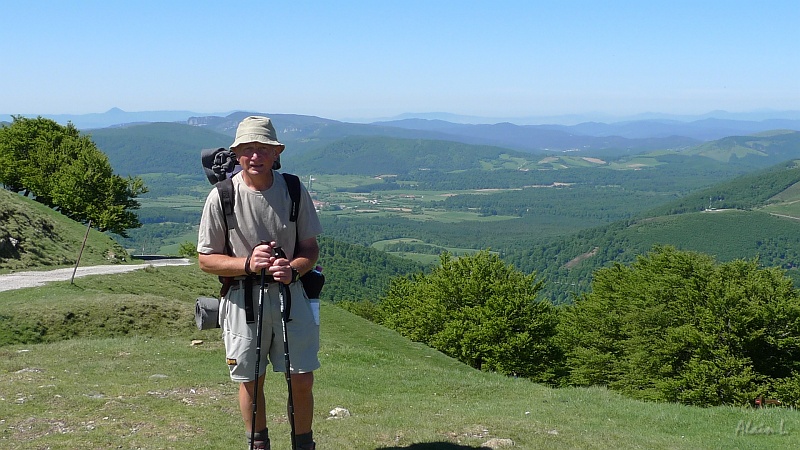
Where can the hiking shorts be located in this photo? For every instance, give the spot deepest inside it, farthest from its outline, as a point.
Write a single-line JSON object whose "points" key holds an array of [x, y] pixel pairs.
{"points": [[240, 337]]}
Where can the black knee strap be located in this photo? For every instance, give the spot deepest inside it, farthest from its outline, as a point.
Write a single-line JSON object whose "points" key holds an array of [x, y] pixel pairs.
{"points": [[287, 314], [248, 300]]}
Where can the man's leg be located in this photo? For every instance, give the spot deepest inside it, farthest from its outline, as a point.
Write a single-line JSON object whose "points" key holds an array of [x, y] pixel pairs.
{"points": [[246, 405], [303, 398]]}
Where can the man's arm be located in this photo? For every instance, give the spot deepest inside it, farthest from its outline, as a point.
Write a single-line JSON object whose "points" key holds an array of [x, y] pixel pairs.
{"points": [[222, 265], [305, 255]]}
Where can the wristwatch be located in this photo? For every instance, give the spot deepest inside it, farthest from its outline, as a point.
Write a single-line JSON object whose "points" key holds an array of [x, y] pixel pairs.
{"points": [[247, 265], [295, 274]]}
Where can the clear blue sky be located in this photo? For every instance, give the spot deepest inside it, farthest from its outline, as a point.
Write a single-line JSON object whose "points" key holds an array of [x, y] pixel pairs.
{"points": [[368, 59]]}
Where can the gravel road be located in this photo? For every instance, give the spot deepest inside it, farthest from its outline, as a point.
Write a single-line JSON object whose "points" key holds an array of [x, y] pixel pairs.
{"points": [[20, 280]]}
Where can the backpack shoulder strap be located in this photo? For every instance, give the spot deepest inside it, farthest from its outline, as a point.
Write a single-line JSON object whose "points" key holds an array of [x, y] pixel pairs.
{"points": [[293, 183], [227, 199]]}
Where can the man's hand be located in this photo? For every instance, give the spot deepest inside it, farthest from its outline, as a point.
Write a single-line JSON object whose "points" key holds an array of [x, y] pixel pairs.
{"points": [[271, 257], [260, 258]]}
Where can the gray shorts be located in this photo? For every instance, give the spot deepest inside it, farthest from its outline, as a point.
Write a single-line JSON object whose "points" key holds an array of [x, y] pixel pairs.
{"points": [[240, 337]]}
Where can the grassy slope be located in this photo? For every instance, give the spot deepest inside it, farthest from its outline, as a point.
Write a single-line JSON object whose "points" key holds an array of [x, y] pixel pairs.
{"points": [[152, 389], [773, 147], [47, 238]]}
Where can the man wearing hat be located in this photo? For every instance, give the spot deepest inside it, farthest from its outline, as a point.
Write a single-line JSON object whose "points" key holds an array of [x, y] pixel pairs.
{"points": [[261, 208]]}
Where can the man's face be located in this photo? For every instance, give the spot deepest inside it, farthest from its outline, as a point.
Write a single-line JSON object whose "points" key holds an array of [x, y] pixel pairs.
{"points": [[257, 158]]}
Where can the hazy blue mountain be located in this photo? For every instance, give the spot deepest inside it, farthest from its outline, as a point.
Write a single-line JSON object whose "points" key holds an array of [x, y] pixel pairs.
{"points": [[313, 131], [668, 130], [306, 133], [116, 116], [575, 119], [175, 147], [646, 125], [538, 138]]}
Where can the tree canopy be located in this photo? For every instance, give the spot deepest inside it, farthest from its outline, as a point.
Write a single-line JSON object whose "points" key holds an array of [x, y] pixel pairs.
{"points": [[676, 326], [478, 310], [65, 170]]}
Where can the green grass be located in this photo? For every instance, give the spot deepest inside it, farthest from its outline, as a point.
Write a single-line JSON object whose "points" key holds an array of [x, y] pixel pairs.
{"points": [[785, 209], [184, 202], [789, 195], [175, 242], [47, 239], [134, 388], [381, 245]]}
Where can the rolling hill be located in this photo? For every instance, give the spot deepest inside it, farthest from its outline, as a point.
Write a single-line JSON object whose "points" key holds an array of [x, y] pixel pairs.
{"points": [[34, 236], [156, 147], [763, 149], [313, 142], [748, 217]]}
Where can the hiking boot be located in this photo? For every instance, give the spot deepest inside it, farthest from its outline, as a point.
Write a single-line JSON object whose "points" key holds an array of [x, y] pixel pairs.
{"points": [[260, 445], [310, 446]]}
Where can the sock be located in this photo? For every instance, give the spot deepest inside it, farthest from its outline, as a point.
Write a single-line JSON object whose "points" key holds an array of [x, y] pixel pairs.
{"points": [[262, 435], [304, 439]]}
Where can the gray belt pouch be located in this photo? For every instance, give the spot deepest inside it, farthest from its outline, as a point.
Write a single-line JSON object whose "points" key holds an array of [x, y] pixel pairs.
{"points": [[206, 313]]}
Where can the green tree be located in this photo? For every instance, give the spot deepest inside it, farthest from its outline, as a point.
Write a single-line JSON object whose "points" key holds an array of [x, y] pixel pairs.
{"points": [[478, 310], [26, 141], [677, 326], [65, 170], [188, 249]]}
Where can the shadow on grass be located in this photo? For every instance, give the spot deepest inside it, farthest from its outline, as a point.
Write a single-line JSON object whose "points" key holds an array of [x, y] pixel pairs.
{"points": [[433, 446]]}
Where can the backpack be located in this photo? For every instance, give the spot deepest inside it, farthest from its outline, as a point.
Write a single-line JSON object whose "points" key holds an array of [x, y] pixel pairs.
{"points": [[217, 165]]}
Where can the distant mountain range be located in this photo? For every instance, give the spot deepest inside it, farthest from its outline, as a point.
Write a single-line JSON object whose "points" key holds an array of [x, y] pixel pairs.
{"points": [[116, 116], [622, 137], [325, 146]]}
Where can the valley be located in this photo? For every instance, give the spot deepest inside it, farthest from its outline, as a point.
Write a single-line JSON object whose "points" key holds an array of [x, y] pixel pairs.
{"points": [[556, 201]]}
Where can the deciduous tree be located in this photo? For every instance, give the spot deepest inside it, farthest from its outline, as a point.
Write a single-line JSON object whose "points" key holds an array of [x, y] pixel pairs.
{"points": [[480, 311], [65, 170]]}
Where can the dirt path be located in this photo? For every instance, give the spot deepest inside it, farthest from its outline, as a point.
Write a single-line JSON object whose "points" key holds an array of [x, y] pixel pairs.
{"points": [[19, 280]]}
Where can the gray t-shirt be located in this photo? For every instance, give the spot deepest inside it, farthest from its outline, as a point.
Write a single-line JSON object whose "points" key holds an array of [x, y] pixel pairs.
{"points": [[259, 216]]}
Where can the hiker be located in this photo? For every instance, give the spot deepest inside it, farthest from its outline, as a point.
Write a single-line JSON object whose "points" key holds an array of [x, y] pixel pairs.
{"points": [[262, 209]]}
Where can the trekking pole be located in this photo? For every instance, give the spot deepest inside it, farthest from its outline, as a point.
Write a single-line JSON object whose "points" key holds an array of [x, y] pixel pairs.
{"points": [[284, 313], [258, 354]]}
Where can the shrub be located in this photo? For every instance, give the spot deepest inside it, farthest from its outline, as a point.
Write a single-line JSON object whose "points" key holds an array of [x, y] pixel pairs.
{"points": [[676, 326]]}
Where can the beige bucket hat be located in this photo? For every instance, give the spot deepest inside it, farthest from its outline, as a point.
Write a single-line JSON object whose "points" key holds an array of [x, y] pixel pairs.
{"points": [[256, 129]]}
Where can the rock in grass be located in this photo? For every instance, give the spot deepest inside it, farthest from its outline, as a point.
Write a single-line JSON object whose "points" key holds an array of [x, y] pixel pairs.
{"points": [[498, 443], [338, 413]]}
